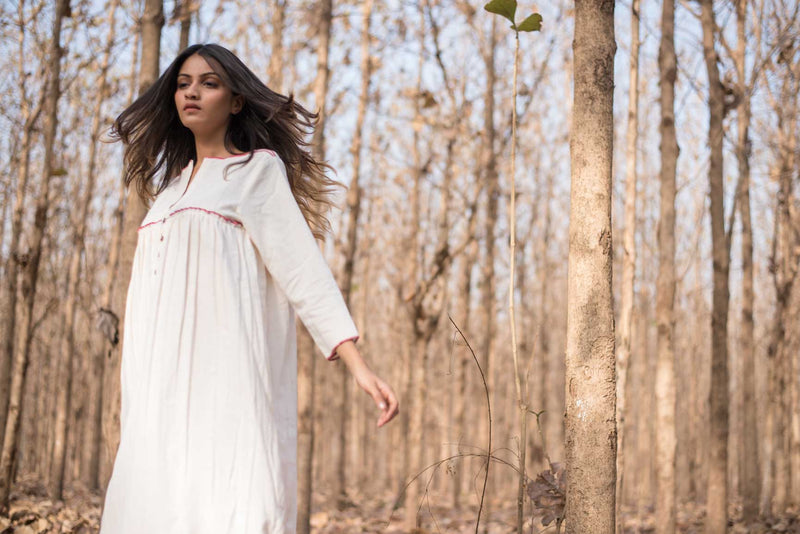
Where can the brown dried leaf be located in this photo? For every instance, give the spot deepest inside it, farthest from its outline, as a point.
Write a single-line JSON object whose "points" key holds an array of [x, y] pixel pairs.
{"points": [[549, 494]]}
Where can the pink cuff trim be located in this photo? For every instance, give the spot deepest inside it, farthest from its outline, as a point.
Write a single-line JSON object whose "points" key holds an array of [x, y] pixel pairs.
{"points": [[333, 356]]}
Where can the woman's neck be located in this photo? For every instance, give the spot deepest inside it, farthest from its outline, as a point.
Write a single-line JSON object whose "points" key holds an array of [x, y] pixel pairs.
{"points": [[212, 149]]}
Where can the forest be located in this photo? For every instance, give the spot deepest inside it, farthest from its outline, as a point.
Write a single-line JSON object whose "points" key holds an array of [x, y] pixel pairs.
{"points": [[568, 233]]}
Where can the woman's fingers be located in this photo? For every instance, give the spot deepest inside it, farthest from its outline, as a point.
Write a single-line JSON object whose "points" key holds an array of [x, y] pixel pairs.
{"points": [[381, 394], [387, 402]]}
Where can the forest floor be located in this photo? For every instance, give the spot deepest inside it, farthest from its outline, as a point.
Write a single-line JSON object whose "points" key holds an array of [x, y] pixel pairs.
{"points": [[32, 512]]}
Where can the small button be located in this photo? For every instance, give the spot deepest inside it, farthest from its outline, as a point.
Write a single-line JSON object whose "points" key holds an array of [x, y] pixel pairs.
{"points": [[162, 237]]}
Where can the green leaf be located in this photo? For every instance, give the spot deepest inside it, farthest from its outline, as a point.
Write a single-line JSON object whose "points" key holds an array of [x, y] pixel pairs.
{"points": [[505, 8], [531, 24]]}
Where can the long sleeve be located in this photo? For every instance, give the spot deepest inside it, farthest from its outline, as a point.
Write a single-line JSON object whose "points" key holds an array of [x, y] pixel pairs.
{"points": [[276, 226]]}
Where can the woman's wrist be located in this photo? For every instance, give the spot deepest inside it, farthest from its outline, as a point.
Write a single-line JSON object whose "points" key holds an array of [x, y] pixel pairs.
{"points": [[348, 352]]}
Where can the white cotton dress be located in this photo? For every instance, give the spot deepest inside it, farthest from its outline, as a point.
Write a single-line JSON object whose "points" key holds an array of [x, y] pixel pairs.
{"points": [[209, 366]]}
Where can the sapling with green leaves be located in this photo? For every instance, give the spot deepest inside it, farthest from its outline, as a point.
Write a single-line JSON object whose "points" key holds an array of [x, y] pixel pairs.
{"points": [[531, 23]]}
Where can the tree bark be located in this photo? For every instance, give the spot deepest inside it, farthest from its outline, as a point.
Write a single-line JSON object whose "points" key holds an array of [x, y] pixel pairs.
{"points": [[135, 210], [306, 357], [351, 245], [749, 484], [487, 284], [275, 68], [590, 387], [24, 331], [186, 23], [629, 259], [717, 489], [666, 440]]}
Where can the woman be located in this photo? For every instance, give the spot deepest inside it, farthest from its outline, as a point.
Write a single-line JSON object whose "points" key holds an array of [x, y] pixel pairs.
{"points": [[225, 257]]}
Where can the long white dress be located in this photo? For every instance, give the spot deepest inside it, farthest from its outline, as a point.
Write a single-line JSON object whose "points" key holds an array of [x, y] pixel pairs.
{"points": [[209, 366]]}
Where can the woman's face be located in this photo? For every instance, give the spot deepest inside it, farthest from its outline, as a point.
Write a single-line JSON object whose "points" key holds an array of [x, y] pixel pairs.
{"points": [[204, 103]]}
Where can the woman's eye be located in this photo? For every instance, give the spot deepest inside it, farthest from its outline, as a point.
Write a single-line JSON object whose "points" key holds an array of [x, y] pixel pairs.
{"points": [[211, 84]]}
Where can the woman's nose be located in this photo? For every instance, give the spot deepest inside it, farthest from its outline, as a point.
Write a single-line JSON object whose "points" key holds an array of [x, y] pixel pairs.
{"points": [[191, 91]]}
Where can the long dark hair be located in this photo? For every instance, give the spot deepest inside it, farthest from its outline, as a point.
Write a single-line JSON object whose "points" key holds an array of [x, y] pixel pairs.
{"points": [[157, 141]]}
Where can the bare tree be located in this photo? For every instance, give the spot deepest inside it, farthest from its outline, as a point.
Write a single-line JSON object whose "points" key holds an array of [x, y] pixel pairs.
{"points": [[590, 409], [629, 259], [24, 331], [749, 483], [665, 285], [717, 490], [29, 113], [306, 358], [275, 69]]}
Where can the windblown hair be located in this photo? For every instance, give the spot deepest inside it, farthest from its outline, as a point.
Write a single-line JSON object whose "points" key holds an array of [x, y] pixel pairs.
{"points": [[157, 142]]}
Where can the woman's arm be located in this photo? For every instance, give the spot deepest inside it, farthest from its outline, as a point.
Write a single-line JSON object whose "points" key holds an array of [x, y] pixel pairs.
{"points": [[379, 390]]}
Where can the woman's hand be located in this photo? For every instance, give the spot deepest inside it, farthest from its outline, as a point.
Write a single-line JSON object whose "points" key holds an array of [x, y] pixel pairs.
{"points": [[379, 390]]}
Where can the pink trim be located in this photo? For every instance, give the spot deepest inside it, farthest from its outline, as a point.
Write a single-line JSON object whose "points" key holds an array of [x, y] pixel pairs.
{"points": [[333, 356], [242, 154], [221, 216]]}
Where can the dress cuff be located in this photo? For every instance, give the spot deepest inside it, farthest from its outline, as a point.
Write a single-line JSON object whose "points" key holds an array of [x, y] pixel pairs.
{"points": [[333, 356]]}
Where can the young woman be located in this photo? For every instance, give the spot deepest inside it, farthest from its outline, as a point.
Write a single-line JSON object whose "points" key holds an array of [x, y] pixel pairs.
{"points": [[225, 257]]}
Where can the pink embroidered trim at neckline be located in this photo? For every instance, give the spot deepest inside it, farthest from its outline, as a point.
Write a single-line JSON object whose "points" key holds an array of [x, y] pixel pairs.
{"points": [[242, 154], [221, 216]]}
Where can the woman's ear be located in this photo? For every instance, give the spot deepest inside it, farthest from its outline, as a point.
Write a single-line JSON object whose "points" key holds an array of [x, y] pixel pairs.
{"points": [[238, 104]]}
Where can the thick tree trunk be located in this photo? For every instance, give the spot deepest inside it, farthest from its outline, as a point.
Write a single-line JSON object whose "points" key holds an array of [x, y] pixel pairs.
{"points": [[717, 489], [784, 267], [68, 340], [665, 285], [749, 480], [135, 210], [590, 387], [24, 330], [629, 259]]}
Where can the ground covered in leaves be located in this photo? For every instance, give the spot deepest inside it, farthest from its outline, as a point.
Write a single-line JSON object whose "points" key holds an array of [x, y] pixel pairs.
{"points": [[32, 512]]}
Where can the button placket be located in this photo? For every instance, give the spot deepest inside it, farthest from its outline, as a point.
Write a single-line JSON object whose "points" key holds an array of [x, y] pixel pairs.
{"points": [[161, 239]]}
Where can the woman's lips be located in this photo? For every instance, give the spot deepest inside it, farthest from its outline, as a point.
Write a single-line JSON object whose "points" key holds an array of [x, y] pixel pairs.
{"points": [[191, 107]]}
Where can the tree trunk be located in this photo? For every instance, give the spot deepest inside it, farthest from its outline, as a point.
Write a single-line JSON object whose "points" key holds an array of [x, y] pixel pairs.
{"points": [[629, 259], [351, 244], [185, 17], [487, 284], [590, 387], [665, 285], [749, 483], [784, 268], [275, 68], [306, 357], [135, 210], [717, 496], [24, 330], [68, 340], [418, 355]]}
